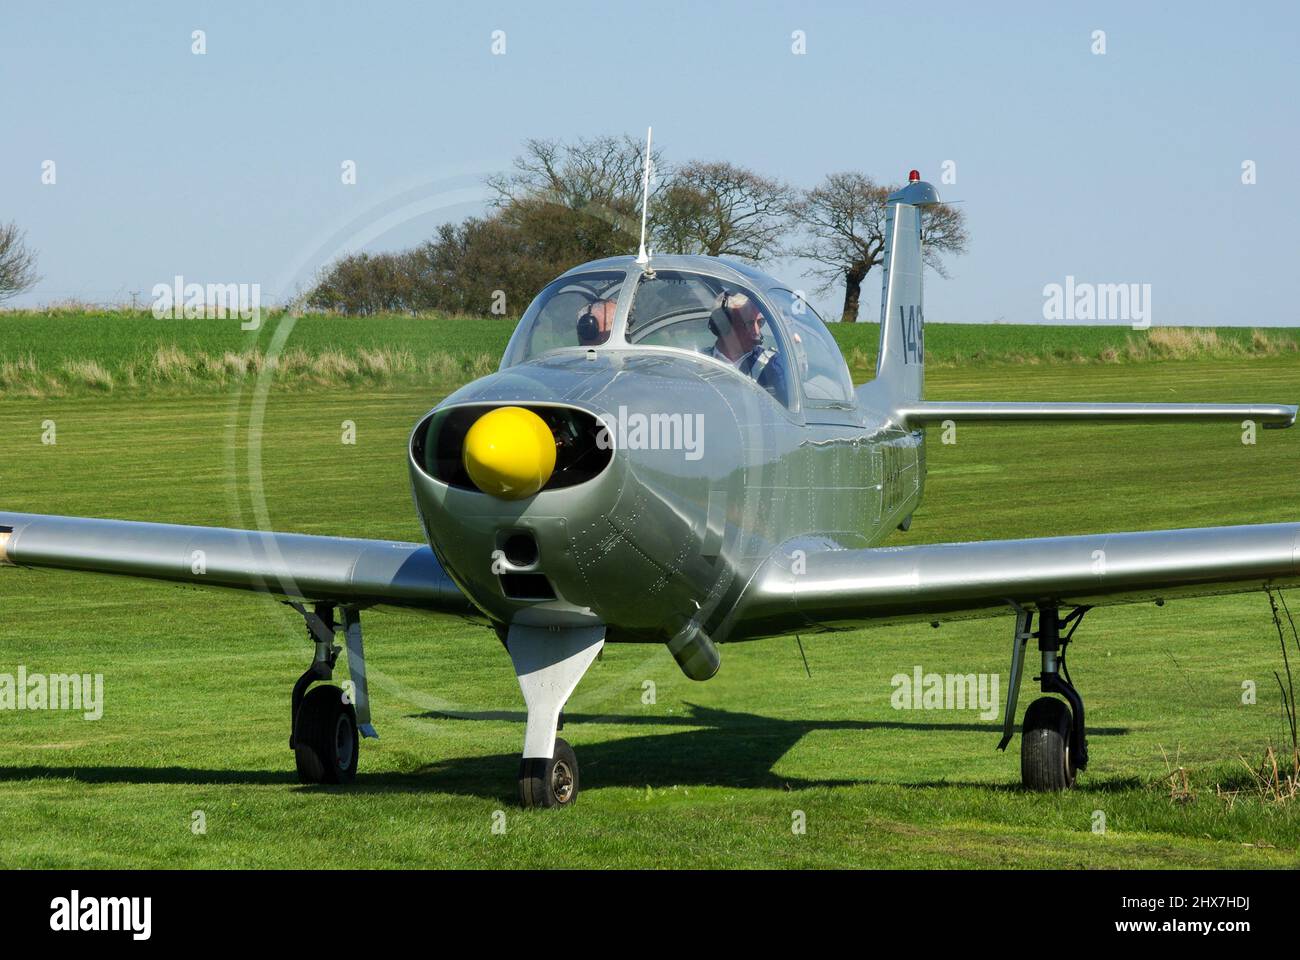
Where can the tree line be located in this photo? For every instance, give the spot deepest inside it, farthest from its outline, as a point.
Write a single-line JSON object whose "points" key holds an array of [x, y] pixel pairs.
{"points": [[565, 203]]}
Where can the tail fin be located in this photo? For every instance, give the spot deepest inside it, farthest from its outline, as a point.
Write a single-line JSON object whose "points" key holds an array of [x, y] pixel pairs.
{"points": [[900, 368]]}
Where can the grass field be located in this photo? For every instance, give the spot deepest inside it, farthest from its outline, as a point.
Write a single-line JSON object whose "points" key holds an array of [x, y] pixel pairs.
{"points": [[197, 683], [67, 353]]}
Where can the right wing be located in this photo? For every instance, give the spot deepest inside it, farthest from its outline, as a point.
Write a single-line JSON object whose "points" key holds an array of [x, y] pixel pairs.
{"points": [[807, 584], [292, 565]]}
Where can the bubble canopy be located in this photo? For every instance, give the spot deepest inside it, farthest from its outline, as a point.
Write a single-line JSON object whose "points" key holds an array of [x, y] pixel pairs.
{"points": [[595, 306], [575, 311], [615, 304]]}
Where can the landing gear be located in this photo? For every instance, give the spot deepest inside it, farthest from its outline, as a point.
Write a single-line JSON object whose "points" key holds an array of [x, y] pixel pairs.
{"points": [[1046, 763], [325, 737], [549, 783], [549, 662], [328, 721], [1053, 741]]}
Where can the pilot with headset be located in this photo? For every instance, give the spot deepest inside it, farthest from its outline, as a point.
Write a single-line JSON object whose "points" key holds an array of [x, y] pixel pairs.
{"points": [[737, 323], [594, 321]]}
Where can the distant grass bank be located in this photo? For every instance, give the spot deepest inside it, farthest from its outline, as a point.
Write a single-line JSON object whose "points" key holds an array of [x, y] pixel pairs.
{"points": [[62, 353], [959, 344]]}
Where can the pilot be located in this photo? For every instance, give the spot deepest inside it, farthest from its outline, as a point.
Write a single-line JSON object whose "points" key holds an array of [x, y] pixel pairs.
{"points": [[737, 323], [594, 321]]}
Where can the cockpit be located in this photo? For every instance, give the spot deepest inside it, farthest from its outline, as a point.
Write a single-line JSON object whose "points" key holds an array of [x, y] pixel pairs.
{"points": [[572, 311], [728, 313]]}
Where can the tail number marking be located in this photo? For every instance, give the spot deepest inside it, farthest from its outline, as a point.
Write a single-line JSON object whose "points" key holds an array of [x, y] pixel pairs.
{"points": [[912, 327]]}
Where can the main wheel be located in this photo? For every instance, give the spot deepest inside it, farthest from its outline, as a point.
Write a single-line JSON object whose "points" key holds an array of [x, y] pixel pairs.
{"points": [[549, 783], [1045, 761], [325, 737]]}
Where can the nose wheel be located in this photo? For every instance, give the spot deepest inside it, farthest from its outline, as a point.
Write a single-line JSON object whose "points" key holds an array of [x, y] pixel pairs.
{"points": [[549, 783]]}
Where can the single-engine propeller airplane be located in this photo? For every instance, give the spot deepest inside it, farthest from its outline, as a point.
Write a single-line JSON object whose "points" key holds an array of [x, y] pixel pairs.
{"points": [[672, 451]]}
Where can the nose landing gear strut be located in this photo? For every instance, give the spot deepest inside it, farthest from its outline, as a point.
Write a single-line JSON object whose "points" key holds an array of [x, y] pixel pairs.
{"points": [[549, 662]]}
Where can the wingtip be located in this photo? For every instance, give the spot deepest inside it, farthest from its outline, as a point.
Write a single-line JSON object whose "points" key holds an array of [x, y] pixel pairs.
{"points": [[1286, 416]]}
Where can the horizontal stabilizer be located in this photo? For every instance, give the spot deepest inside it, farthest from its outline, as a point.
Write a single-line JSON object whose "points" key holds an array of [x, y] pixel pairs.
{"points": [[922, 413]]}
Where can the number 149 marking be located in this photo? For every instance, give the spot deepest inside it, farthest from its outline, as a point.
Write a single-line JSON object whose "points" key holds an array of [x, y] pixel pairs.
{"points": [[912, 327]]}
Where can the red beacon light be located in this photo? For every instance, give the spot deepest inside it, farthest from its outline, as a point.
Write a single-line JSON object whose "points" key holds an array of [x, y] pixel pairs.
{"points": [[914, 176]]}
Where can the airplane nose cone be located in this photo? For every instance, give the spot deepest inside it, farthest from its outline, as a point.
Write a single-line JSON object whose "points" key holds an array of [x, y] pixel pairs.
{"points": [[509, 453]]}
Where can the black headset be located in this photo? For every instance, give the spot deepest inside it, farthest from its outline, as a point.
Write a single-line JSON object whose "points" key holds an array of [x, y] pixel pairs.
{"points": [[720, 319], [588, 325]]}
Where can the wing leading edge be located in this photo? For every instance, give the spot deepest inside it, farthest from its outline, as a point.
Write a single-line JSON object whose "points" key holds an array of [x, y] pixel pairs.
{"points": [[298, 566], [949, 581]]}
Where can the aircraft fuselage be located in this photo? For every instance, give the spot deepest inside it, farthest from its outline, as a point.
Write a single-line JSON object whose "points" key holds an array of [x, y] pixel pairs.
{"points": [[706, 477]]}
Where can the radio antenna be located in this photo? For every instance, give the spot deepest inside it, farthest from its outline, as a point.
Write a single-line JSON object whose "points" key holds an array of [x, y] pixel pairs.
{"points": [[643, 258]]}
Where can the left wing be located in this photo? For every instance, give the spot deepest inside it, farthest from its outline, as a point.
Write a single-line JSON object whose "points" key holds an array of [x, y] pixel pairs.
{"points": [[293, 565], [802, 585]]}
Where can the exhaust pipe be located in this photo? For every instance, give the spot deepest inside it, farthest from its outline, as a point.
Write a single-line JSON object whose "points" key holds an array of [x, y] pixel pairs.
{"points": [[695, 653]]}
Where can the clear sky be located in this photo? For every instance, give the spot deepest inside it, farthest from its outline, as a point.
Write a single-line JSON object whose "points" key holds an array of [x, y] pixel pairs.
{"points": [[1124, 167]]}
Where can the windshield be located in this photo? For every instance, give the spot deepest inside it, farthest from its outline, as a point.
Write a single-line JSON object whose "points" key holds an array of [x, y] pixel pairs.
{"points": [[575, 311], [822, 370], [714, 317]]}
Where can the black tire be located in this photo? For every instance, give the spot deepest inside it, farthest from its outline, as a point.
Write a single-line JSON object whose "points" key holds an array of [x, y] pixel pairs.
{"points": [[325, 737], [549, 783], [1045, 761]]}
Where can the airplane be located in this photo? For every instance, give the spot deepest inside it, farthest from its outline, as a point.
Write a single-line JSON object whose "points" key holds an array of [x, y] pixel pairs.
{"points": [[672, 451]]}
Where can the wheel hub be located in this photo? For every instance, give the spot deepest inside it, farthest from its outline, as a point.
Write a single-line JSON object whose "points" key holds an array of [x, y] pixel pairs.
{"points": [[343, 743], [561, 781]]}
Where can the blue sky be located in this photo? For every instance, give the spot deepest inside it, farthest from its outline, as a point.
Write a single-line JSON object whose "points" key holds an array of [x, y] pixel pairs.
{"points": [[1117, 168]]}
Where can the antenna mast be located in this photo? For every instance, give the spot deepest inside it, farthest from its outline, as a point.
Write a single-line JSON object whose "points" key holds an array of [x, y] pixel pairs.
{"points": [[643, 258]]}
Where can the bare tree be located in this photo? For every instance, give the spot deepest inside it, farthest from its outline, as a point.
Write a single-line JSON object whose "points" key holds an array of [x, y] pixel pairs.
{"points": [[720, 209], [600, 178], [713, 208], [17, 262], [844, 223]]}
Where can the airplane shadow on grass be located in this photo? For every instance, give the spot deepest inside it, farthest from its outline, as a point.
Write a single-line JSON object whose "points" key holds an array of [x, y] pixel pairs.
{"points": [[722, 749]]}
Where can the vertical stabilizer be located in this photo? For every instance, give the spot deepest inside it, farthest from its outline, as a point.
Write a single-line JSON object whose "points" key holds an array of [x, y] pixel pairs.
{"points": [[900, 368]]}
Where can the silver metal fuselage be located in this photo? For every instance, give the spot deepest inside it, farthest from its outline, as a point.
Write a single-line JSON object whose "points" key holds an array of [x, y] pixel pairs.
{"points": [[662, 543]]}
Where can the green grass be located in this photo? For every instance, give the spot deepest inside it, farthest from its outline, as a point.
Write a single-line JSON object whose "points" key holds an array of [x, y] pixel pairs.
{"points": [[70, 353], [197, 683], [116, 335]]}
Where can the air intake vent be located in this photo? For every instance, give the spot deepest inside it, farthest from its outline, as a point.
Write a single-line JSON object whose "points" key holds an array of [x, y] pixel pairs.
{"points": [[526, 586], [438, 444]]}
